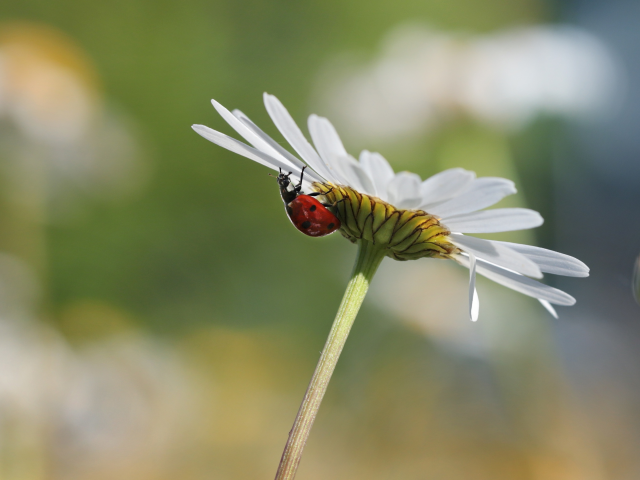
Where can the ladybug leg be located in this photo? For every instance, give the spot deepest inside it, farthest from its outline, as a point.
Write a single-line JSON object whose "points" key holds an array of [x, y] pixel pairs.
{"points": [[334, 204], [298, 187], [315, 194]]}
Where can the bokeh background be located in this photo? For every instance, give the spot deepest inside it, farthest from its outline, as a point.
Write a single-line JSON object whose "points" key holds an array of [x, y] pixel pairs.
{"points": [[160, 317]]}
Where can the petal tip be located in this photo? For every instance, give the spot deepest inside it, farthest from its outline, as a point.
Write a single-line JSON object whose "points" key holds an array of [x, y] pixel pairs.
{"points": [[537, 219], [549, 308]]}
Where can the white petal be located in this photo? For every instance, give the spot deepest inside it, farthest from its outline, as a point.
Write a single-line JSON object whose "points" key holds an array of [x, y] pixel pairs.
{"points": [[336, 158], [404, 190], [519, 283], [326, 140], [314, 176], [379, 171], [549, 308], [497, 220], [474, 301], [240, 148], [497, 253], [344, 168], [251, 137], [445, 185], [482, 193], [294, 136], [550, 261], [360, 179]]}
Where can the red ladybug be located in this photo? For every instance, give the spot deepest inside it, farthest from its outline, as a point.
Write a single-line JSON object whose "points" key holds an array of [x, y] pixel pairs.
{"points": [[305, 212]]}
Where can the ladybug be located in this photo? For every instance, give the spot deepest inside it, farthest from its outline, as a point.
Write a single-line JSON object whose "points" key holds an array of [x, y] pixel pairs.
{"points": [[305, 212]]}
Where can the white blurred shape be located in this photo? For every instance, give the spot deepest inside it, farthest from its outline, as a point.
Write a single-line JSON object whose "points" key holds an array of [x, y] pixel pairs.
{"points": [[125, 399], [47, 87], [513, 76], [421, 297], [47, 102], [55, 129], [423, 77], [113, 404]]}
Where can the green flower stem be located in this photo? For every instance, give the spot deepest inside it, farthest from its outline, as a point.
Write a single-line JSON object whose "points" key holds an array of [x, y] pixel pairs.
{"points": [[369, 258]]}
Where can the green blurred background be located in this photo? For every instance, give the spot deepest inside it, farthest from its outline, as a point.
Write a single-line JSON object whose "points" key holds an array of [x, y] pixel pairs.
{"points": [[160, 316]]}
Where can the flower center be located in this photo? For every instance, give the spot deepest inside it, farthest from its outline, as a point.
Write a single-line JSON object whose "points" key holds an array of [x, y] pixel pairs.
{"points": [[406, 234]]}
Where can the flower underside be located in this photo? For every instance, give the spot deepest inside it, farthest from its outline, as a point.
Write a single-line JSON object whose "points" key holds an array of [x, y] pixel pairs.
{"points": [[405, 234]]}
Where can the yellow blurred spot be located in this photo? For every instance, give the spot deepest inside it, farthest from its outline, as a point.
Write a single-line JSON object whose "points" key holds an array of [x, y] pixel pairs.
{"points": [[93, 320], [47, 85]]}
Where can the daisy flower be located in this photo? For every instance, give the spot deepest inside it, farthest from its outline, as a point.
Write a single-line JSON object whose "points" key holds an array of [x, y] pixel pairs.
{"points": [[393, 215], [407, 217]]}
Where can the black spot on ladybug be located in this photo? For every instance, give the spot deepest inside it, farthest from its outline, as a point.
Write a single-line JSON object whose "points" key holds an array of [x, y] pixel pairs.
{"points": [[306, 224], [313, 208], [330, 226]]}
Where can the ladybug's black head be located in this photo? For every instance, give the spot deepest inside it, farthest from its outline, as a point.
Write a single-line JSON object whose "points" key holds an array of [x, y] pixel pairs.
{"points": [[284, 180]]}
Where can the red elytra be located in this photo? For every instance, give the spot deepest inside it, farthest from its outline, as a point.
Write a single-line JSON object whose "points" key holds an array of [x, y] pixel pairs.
{"points": [[305, 212], [311, 217]]}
